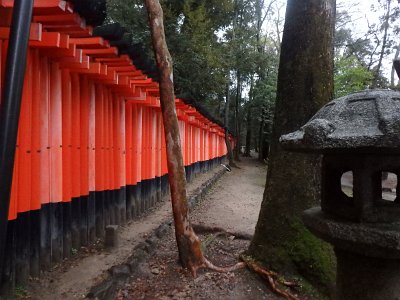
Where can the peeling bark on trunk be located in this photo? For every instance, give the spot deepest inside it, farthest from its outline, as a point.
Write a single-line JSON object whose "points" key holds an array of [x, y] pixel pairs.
{"points": [[189, 245]]}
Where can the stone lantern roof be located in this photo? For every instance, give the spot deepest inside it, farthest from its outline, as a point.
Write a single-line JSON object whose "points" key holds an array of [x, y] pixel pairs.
{"points": [[363, 122]]}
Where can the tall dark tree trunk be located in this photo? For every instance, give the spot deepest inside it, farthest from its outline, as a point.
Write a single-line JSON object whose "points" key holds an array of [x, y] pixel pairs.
{"points": [[263, 141], [392, 75], [375, 82], [260, 140], [226, 123], [237, 122], [189, 245], [248, 132], [249, 120], [305, 83]]}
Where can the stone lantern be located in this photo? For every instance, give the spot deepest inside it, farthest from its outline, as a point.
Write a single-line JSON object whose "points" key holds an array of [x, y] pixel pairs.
{"points": [[358, 133]]}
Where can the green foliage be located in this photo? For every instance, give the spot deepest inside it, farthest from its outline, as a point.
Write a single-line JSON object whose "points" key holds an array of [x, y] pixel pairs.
{"points": [[375, 44], [192, 28], [264, 98], [350, 76], [132, 15], [200, 63], [211, 41]]}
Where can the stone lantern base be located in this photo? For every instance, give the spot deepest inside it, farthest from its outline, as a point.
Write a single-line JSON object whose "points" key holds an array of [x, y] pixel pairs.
{"points": [[367, 278], [368, 255]]}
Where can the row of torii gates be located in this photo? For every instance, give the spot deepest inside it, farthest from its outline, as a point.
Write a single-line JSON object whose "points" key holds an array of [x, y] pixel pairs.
{"points": [[90, 149]]}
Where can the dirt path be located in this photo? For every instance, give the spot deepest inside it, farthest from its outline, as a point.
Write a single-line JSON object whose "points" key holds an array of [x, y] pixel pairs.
{"points": [[233, 203], [74, 277]]}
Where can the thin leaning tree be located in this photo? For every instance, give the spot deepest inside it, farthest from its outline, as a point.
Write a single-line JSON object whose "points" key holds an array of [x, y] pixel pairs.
{"points": [[189, 245]]}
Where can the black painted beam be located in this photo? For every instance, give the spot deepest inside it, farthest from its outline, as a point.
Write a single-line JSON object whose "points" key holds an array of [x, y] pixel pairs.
{"points": [[11, 106]]}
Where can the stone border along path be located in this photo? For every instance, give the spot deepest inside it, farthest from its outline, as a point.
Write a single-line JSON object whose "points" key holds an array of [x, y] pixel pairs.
{"points": [[92, 276], [117, 275]]}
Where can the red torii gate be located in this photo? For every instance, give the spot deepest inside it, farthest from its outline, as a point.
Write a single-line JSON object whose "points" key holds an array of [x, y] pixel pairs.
{"points": [[90, 149]]}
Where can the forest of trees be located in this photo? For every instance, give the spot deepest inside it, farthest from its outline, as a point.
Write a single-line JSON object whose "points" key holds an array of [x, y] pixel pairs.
{"points": [[221, 50], [262, 68], [258, 71], [230, 49]]}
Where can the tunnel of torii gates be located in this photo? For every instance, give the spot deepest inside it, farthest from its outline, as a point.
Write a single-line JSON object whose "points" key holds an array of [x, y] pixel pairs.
{"points": [[91, 149]]}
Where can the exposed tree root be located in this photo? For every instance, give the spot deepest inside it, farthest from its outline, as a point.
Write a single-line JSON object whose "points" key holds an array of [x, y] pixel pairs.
{"points": [[196, 260], [289, 284], [211, 266], [206, 264], [271, 278], [201, 228]]}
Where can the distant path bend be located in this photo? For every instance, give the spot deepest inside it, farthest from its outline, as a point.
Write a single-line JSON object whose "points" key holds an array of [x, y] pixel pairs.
{"points": [[234, 202]]}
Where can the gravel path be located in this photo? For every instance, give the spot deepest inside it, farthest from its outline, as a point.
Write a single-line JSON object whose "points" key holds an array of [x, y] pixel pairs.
{"points": [[75, 276], [233, 203]]}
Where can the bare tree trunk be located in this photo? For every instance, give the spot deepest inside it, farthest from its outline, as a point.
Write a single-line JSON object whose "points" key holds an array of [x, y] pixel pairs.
{"points": [[261, 140], [189, 245], [278, 32], [226, 123], [384, 45], [396, 56], [259, 5], [237, 129], [248, 132], [249, 120]]}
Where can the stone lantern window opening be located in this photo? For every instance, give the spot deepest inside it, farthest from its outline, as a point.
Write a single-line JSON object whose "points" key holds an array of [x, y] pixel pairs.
{"points": [[389, 186], [353, 188], [347, 183]]}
